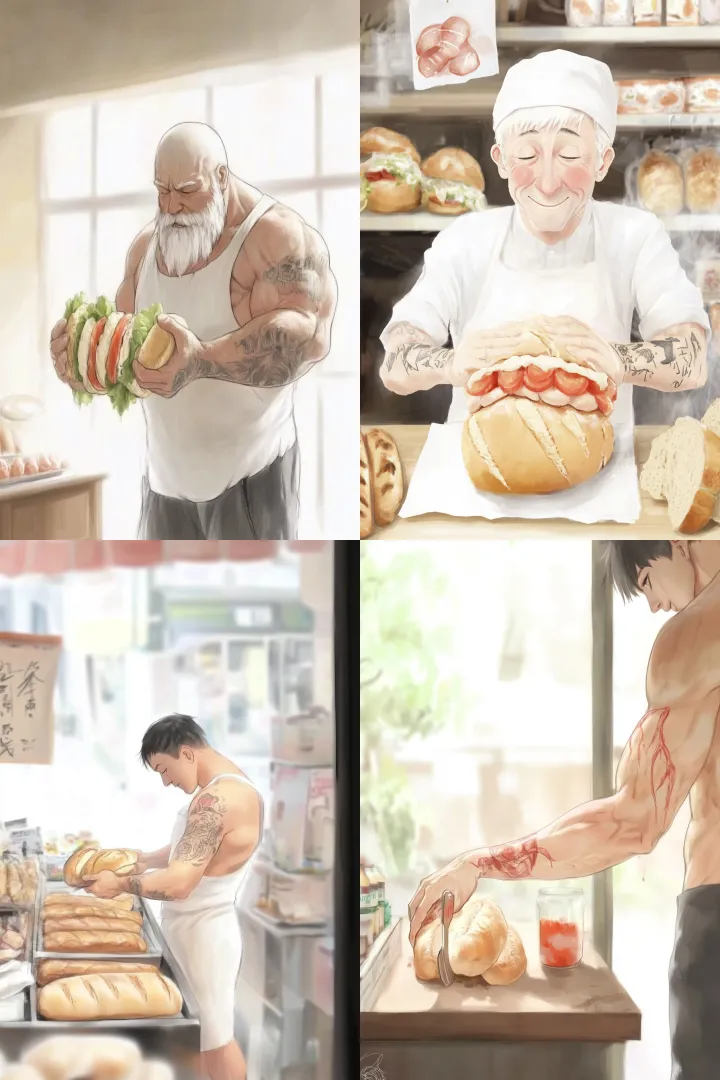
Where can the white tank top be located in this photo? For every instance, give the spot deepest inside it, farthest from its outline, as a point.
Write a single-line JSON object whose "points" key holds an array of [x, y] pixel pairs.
{"points": [[212, 892], [213, 433]]}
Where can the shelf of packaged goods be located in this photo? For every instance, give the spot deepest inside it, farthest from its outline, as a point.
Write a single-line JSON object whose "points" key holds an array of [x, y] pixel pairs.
{"points": [[433, 223], [674, 122], [694, 36]]}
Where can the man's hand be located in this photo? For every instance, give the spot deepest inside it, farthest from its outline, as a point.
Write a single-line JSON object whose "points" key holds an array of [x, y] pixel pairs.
{"points": [[184, 365], [459, 877], [59, 342], [483, 348], [105, 885], [571, 335]]}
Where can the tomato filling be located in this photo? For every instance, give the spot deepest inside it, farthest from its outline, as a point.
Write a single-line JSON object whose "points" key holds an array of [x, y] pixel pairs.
{"points": [[114, 353], [537, 380], [92, 356], [381, 174], [445, 202]]}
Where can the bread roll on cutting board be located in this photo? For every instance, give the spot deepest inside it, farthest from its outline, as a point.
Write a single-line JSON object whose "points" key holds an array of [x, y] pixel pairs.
{"points": [[87, 941], [84, 911], [97, 1057], [50, 970], [124, 901], [478, 933], [110, 997]]}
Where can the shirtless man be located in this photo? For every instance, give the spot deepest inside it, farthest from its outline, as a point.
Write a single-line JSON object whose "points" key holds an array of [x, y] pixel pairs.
{"points": [[673, 752], [253, 284], [198, 875]]}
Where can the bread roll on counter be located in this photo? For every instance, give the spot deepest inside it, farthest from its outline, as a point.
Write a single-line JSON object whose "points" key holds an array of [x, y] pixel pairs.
{"points": [[89, 941], [110, 997], [82, 911], [510, 964], [50, 970], [477, 936], [99, 1057]]}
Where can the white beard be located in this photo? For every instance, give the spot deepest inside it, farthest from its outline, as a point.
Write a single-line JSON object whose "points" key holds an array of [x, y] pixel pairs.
{"points": [[181, 248]]}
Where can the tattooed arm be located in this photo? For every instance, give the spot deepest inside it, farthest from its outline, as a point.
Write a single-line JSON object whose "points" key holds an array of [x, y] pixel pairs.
{"points": [[659, 765], [676, 359], [413, 361], [283, 295]]}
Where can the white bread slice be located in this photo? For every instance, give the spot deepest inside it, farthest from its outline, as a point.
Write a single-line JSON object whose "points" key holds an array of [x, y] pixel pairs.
{"points": [[692, 475], [652, 475], [711, 419]]}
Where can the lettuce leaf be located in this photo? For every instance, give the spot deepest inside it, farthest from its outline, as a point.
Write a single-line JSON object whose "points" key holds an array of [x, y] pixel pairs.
{"points": [[81, 397], [121, 398], [72, 305], [143, 323], [101, 308]]}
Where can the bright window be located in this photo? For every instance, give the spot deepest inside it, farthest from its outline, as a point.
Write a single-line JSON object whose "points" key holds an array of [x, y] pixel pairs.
{"points": [[287, 135]]}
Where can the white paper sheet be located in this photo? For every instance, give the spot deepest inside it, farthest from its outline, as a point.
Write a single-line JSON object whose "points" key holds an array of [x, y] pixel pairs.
{"points": [[441, 485]]}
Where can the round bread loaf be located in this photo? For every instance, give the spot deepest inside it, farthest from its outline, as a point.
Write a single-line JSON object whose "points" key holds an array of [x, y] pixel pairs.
{"points": [[380, 140], [510, 964], [75, 865], [425, 953], [477, 935]]}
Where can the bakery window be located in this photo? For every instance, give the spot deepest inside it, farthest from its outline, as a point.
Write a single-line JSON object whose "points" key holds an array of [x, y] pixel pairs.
{"points": [[96, 200]]}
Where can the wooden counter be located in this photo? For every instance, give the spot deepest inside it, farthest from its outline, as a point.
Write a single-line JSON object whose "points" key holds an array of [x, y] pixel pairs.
{"points": [[653, 523], [582, 1004], [65, 507]]}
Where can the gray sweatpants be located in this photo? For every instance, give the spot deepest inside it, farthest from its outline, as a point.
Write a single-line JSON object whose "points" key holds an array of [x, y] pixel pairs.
{"points": [[260, 507], [695, 986]]}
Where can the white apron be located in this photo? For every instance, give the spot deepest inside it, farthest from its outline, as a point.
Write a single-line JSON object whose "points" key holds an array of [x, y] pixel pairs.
{"points": [[583, 292], [203, 933]]}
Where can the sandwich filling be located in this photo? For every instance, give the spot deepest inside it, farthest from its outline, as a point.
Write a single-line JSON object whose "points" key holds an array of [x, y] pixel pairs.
{"points": [[544, 378], [453, 193], [397, 168]]}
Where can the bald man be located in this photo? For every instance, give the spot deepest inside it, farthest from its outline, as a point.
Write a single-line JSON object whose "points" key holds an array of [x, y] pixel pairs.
{"points": [[253, 284]]}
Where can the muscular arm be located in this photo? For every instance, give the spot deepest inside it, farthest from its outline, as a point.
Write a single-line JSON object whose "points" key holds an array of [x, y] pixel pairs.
{"points": [[292, 303], [155, 860], [659, 765], [205, 829], [413, 361], [676, 359]]}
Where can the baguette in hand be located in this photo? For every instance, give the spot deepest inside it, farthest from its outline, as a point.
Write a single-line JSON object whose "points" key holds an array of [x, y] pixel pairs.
{"points": [[110, 997]]}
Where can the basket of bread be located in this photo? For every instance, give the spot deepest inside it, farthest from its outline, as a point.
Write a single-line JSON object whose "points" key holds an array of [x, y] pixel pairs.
{"points": [[683, 470], [480, 944]]}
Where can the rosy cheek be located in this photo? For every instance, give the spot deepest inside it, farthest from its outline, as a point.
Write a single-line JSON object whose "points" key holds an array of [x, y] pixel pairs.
{"points": [[578, 177], [521, 175]]}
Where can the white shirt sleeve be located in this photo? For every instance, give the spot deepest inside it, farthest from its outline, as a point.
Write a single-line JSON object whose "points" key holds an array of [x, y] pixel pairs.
{"points": [[433, 303], [664, 295]]}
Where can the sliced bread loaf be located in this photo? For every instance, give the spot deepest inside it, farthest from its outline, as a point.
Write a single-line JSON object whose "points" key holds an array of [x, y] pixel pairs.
{"points": [[692, 474], [652, 475]]}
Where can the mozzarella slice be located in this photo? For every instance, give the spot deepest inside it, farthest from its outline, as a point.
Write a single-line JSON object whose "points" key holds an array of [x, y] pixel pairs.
{"points": [[83, 353]]}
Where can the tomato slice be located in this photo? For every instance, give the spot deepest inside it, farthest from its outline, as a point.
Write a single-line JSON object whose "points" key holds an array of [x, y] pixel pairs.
{"points": [[510, 381], [381, 174], [604, 403], [611, 390], [111, 370], [570, 383], [92, 356], [536, 379], [484, 385]]}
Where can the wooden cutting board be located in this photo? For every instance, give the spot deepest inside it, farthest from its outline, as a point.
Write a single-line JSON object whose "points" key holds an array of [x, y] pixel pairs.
{"points": [[586, 1003]]}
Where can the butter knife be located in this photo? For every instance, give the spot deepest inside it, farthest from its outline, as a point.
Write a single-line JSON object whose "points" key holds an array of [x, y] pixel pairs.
{"points": [[447, 974]]}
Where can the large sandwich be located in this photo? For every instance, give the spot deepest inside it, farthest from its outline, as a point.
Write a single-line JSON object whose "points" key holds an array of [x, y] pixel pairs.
{"points": [[392, 176], [541, 421], [453, 182], [103, 345]]}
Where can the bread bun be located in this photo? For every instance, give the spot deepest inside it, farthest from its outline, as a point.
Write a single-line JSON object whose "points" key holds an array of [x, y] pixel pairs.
{"points": [[386, 476], [389, 197], [75, 865], [425, 952], [477, 935], [510, 964], [451, 163], [380, 140], [435, 207], [660, 184], [521, 447], [156, 349]]}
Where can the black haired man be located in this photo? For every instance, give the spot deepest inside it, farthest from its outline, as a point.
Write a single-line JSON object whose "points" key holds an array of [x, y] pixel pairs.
{"points": [[198, 876], [673, 752]]}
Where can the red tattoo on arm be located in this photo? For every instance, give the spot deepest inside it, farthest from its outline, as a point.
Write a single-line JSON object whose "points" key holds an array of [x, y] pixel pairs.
{"points": [[662, 769], [513, 861]]}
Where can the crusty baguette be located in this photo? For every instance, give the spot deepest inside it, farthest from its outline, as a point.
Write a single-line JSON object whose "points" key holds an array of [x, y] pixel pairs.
{"points": [[692, 475], [50, 970], [83, 911], [87, 941], [520, 447], [124, 901], [74, 866], [386, 476], [95, 923], [366, 510], [110, 997], [100, 1057]]}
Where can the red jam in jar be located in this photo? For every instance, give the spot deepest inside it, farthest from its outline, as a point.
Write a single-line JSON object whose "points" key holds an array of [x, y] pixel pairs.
{"points": [[561, 918]]}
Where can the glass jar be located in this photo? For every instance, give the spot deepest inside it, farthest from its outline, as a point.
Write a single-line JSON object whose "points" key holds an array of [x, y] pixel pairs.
{"points": [[561, 913]]}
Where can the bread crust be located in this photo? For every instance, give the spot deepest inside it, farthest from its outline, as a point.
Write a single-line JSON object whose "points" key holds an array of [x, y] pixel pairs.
{"points": [[452, 163], [87, 941], [156, 349], [505, 447], [702, 181], [367, 526], [50, 970], [477, 936], [123, 901], [88, 861], [381, 140], [389, 197], [386, 475], [660, 183], [110, 997], [511, 964]]}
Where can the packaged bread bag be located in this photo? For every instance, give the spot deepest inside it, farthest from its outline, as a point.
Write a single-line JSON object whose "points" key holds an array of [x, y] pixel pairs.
{"points": [[656, 183], [701, 166]]}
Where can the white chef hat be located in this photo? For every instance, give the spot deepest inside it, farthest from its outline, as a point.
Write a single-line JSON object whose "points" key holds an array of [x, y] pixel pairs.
{"points": [[561, 78]]}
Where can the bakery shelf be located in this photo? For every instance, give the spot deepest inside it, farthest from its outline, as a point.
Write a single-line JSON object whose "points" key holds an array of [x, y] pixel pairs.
{"points": [[433, 223], [674, 122], [281, 929], [695, 36]]}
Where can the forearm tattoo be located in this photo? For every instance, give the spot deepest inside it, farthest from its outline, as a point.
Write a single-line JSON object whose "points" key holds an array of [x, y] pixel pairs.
{"points": [[203, 832], [273, 356], [514, 861], [415, 351], [307, 276], [673, 359], [137, 887]]}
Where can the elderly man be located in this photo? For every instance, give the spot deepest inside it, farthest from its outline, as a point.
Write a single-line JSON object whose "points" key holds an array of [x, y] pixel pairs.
{"points": [[252, 283], [579, 267]]}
